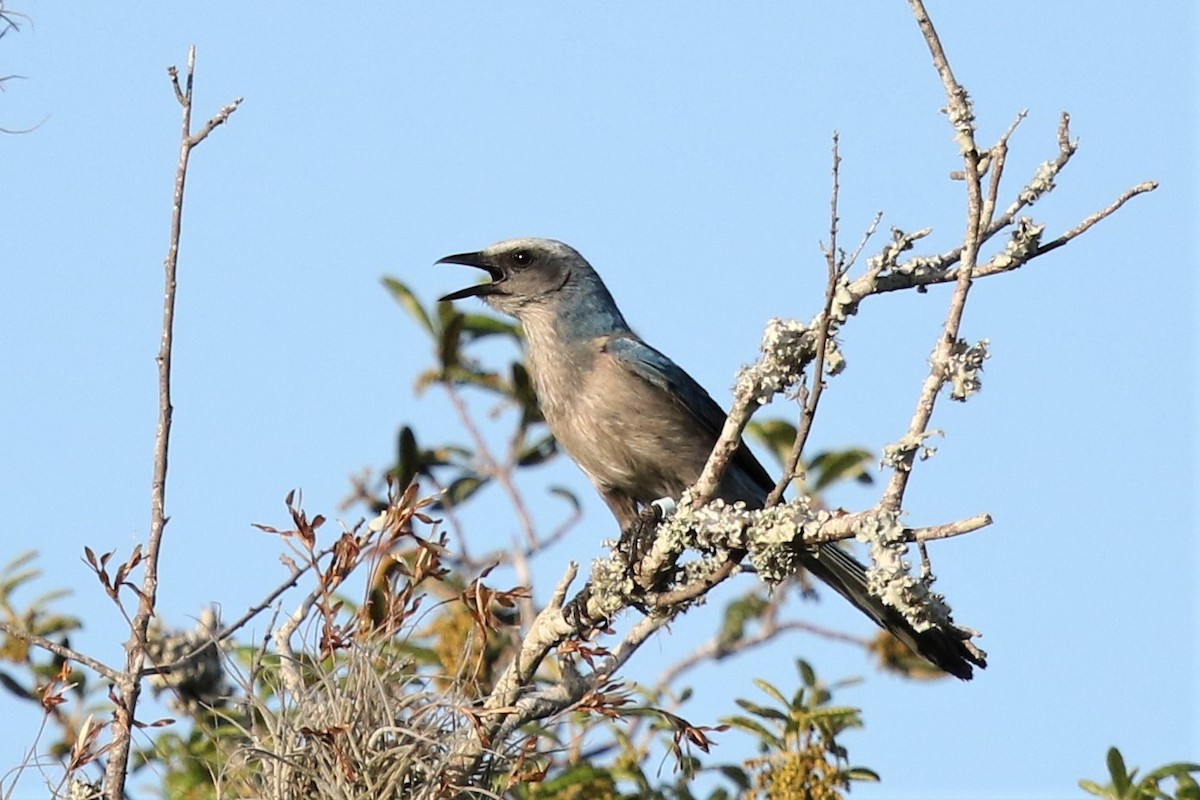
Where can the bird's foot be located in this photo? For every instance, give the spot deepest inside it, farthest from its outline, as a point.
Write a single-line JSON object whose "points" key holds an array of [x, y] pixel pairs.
{"points": [[638, 538], [576, 613], [637, 541]]}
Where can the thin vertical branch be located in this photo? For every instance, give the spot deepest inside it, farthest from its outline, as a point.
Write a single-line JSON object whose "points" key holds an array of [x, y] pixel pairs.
{"points": [[961, 116], [810, 398], [128, 687]]}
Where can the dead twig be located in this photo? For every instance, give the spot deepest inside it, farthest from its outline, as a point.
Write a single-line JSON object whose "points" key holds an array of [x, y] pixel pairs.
{"points": [[129, 682]]}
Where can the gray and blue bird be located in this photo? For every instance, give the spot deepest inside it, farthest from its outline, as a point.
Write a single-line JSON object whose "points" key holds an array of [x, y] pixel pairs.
{"points": [[635, 422]]}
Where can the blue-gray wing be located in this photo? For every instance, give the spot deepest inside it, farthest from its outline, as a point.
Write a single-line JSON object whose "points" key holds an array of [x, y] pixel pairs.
{"points": [[652, 366]]}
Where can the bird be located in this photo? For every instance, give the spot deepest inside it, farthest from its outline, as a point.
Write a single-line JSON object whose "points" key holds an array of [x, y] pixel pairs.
{"points": [[636, 423]]}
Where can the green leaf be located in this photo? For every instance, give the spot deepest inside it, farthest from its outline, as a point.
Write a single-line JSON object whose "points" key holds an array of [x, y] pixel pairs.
{"points": [[407, 459], [463, 376], [840, 465], [20, 691], [861, 774], [19, 560], [774, 434], [459, 490], [806, 673], [845, 714], [409, 302], [737, 615], [445, 311], [1186, 788], [449, 341], [761, 711], [540, 451], [750, 726], [1093, 788], [13, 581], [46, 598], [477, 326], [525, 395], [771, 690], [1171, 771], [1116, 769], [566, 494]]}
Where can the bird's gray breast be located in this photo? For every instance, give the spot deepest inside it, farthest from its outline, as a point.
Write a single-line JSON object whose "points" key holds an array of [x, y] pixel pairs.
{"points": [[624, 432]]}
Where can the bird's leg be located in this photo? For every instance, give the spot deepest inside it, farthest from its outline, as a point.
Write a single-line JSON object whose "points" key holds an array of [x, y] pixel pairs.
{"points": [[637, 527]]}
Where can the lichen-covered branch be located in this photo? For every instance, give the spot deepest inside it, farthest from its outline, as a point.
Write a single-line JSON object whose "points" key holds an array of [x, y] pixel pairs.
{"points": [[962, 119], [706, 540]]}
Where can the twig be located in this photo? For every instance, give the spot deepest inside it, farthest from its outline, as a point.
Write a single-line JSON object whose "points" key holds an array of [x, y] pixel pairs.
{"points": [[867, 234], [812, 397], [566, 694], [714, 648], [937, 267], [998, 155], [61, 650], [128, 683], [254, 610], [524, 576], [282, 637], [691, 591], [560, 531], [934, 532], [491, 467], [1128, 194], [549, 629]]}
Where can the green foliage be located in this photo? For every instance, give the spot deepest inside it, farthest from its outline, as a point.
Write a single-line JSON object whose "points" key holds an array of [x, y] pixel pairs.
{"points": [[460, 472], [1124, 784], [450, 330], [430, 637], [821, 471], [798, 737]]}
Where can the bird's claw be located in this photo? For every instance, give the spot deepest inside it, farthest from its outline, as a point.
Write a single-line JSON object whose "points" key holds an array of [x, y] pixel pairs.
{"points": [[637, 539], [637, 542], [575, 612]]}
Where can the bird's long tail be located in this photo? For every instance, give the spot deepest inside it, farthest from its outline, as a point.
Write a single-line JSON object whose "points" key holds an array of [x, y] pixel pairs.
{"points": [[947, 649]]}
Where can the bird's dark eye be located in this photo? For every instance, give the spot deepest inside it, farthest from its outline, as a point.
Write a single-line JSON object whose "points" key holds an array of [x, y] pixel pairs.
{"points": [[522, 258]]}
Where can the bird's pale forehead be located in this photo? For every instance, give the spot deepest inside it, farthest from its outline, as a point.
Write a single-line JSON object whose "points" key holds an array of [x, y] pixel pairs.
{"points": [[530, 243]]}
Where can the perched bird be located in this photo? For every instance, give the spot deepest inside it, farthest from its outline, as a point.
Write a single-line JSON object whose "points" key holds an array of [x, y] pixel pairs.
{"points": [[638, 425]]}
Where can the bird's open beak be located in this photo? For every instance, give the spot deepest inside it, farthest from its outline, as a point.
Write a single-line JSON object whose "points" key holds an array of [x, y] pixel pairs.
{"points": [[473, 260]]}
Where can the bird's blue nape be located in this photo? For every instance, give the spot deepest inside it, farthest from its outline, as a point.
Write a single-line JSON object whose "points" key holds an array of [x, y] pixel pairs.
{"points": [[586, 310]]}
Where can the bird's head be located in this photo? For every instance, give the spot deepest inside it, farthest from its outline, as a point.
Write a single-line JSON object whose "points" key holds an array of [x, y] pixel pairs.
{"points": [[529, 276]]}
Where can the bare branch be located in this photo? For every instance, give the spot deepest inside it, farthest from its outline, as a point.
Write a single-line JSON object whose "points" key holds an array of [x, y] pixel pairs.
{"points": [[128, 684], [220, 118], [969, 525], [715, 649], [812, 397], [228, 630], [60, 650], [691, 591], [867, 234], [996, 160], [727, 444], [491, 468], [1082, 227]]}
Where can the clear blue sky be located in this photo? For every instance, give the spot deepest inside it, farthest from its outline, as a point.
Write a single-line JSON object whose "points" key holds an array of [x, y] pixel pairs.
{"points": [[684, 148]]}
